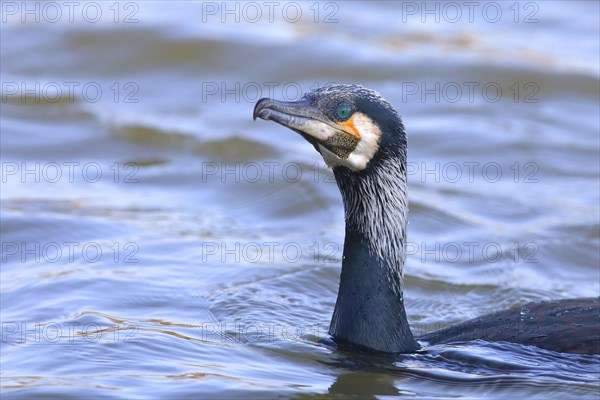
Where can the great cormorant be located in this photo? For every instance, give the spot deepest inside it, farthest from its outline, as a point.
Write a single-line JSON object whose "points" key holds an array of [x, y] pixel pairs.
{"points": [[362, 137]]}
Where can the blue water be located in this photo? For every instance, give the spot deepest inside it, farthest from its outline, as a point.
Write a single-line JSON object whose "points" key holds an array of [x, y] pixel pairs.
{"points": [[156, 242]]}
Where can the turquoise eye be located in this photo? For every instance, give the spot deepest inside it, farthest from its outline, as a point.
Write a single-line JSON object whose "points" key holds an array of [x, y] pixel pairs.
{"points": [[343, 111]]}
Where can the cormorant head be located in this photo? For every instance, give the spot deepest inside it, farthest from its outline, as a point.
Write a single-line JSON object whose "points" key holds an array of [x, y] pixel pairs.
{"points": [[347, 124], [362, 138]]}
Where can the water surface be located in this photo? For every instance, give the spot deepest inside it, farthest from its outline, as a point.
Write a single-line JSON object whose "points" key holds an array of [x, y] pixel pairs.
{"points": [[156, 242]]}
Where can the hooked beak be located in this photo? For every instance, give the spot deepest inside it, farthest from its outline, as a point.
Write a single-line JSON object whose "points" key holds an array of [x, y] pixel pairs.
{"points": [[307, 120]]}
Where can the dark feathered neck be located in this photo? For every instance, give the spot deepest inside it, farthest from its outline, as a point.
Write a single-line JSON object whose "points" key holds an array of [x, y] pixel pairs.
{"points": [[370, 308]]}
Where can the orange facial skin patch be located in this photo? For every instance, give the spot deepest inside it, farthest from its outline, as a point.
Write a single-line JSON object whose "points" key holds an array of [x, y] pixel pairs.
{"points": [[349, 125]]}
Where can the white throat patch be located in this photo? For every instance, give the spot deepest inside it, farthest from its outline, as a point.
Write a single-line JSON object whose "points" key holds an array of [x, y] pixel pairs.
{"points": [[365, 149]]}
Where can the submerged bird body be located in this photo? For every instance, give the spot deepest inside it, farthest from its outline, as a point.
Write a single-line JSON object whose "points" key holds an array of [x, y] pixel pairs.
{"points": [[567, 326], [362, 138]]}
